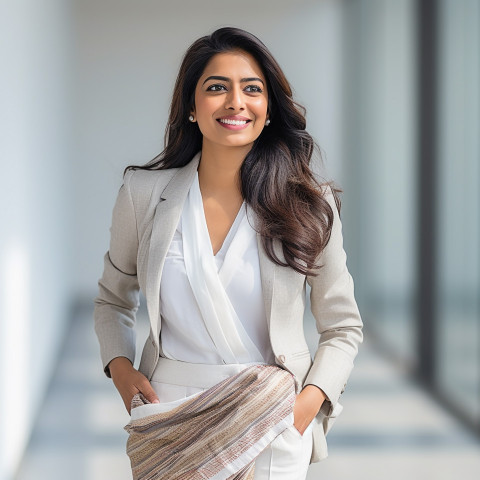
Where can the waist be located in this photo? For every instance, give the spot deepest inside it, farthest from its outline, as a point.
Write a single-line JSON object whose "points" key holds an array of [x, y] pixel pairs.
{"points": [[197, 375]]}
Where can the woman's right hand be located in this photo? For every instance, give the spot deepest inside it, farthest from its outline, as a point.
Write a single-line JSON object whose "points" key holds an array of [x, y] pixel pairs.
{"points": [[130, 381]]}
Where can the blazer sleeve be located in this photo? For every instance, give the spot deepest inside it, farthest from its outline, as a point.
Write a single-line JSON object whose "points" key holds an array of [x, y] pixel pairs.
{"points": [[118, 296], [336, 315]]}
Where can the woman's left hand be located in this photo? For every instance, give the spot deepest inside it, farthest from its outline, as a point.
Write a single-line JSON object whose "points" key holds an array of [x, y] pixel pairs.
{"points": [[307, 405]]}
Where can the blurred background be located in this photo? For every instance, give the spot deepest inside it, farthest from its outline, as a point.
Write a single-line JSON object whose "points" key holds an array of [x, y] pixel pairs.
{"points": [[392, 95]]}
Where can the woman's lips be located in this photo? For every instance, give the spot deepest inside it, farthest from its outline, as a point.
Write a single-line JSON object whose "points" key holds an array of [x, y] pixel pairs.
{"points": [[233, 124]]}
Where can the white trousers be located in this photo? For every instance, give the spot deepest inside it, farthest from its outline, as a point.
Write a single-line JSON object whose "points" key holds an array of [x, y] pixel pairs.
{"points": [[286, 458]]}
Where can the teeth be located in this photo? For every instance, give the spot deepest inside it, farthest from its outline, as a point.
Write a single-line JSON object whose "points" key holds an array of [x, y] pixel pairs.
{"points": [[233, 122]]}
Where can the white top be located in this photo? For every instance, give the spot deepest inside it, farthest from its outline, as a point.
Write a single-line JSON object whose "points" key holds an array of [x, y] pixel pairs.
{"points": [[212, 305]]}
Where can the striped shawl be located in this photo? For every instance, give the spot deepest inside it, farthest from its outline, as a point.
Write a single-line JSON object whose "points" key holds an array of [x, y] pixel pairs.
{"points": [[216, 434]]}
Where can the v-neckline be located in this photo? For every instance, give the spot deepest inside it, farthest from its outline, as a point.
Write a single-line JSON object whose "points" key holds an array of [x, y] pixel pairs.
{"points": [[233, 227], [227, 241]]}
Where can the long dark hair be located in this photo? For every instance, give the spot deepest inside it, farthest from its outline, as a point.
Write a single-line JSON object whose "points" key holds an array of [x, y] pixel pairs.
{"points": [[276, 179]]}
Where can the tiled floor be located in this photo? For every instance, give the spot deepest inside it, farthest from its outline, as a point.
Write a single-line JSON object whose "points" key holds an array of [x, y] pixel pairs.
{"points": [[389, 429]]}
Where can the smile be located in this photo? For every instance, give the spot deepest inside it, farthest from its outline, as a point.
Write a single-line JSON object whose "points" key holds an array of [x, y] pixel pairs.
{"points": [[233, 124]]}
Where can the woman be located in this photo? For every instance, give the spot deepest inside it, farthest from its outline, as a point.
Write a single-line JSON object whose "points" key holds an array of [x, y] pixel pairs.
{"points": [[222, 232]]}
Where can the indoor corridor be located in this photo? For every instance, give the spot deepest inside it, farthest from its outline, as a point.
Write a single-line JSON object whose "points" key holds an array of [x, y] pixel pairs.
{"points": [[392, 98]]}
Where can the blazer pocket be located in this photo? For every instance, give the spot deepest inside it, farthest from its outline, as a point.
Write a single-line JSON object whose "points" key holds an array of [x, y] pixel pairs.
{"points": [[301, 354]]}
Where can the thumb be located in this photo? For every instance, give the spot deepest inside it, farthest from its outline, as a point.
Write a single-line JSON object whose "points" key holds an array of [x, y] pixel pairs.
{"points": [[148, 392]]}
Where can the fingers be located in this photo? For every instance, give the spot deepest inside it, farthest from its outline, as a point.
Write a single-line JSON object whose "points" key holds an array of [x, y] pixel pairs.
{"points": [[302, 414], [129, 382], [148, 392]]}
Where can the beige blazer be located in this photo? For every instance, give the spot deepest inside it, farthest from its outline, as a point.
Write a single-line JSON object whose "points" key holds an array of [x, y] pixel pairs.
{"points": [[145, 216]]}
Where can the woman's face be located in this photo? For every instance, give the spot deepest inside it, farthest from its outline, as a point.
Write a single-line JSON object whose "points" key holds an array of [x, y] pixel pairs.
{"points": [[231, 100]]}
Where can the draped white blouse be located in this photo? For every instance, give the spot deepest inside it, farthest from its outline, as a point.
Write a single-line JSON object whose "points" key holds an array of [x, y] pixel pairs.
{"points": [[212, 305]]}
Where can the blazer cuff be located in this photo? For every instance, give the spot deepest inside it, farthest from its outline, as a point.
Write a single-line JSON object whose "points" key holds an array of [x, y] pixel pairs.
{"points": [[115, 342], [330, 371], [106, 364]]}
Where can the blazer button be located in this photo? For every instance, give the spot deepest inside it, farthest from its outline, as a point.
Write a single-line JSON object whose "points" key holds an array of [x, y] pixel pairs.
{"points": [[281, 358]]}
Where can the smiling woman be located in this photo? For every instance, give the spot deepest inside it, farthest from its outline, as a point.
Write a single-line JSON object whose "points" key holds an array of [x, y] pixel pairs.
{"points": [[222, 232]]}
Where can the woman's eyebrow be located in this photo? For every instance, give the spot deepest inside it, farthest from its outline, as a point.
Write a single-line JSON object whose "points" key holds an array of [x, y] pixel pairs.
{"points": [[226, 79]]}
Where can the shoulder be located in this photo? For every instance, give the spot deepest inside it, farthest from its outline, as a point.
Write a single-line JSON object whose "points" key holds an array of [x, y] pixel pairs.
{"points": [[141, 184], [328, 189], [144, 188], [330, 193], [139, 179]]}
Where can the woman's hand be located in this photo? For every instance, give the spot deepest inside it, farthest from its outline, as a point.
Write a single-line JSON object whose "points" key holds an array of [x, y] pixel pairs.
{"points": [[130, 381], [307, 405]]}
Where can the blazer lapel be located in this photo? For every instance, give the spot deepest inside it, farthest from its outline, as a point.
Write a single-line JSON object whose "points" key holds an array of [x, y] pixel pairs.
{"points": [[267, 275], [165, 221], [278, 283]]}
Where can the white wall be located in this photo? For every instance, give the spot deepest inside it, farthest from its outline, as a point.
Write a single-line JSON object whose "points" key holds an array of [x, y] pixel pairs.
{"points": [[35, 211], [128, 57]]}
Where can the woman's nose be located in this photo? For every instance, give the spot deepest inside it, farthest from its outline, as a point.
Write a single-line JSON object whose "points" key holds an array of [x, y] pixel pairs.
{"points": [[234, 99]]}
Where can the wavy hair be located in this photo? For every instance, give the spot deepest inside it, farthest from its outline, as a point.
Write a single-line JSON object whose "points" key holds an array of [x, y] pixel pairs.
{"points": [[276, 179]]}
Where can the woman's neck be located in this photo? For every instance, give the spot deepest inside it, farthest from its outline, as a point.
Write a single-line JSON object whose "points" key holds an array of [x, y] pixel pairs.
{"points": [[219, 169]]}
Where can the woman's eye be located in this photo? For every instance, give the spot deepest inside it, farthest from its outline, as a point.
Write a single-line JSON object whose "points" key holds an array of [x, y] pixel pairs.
{"points": [[254, 88], [215, 88]]}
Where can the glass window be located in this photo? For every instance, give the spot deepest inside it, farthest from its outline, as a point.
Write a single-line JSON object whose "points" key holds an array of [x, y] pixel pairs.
{"points": [[458, 313], [380, 167]]}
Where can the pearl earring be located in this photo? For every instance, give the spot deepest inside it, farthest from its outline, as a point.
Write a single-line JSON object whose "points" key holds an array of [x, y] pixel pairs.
{"points": [[191, 118], [267, 122]]}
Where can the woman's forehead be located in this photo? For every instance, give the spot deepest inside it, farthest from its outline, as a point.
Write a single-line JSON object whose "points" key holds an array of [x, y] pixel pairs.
{"points": [[236, 63]]}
